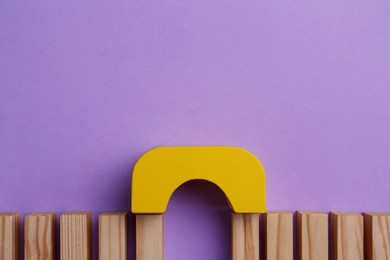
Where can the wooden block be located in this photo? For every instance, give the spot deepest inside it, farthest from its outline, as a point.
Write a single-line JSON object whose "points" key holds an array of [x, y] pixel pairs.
{"points": [[75, 229], [40, 236], [245, 236], [9, 235], [113, 236], [347, 236], [377, 235], [312, 235], [149, 237], [278, 228]]}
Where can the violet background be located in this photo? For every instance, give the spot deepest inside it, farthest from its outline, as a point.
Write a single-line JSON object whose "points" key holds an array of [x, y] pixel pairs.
{"points": [[86, 87]]}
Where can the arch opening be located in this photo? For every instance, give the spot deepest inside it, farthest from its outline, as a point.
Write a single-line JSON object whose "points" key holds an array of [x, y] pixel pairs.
{"points": [[197, 217]]}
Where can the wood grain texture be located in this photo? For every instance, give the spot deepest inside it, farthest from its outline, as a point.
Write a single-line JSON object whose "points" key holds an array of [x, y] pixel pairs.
{"points": [[312, 227], [113, 236], [245, 236], [9, 235], [278, 228], [377, 236], [347, 236], [149, 237], [75, 229], [40, 236]]}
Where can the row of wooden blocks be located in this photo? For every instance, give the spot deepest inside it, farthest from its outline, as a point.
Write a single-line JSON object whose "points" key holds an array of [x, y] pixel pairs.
{"points": [[75, 236], [352, 236]]}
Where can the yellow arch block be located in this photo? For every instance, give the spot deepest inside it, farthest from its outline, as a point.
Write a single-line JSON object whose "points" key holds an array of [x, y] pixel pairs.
{"points": [[160, 171]]}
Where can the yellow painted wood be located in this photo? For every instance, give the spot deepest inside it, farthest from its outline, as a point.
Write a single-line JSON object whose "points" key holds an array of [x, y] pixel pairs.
{"points": [[40, 236], [149, 237], [278, 228], [245, 236], [113, 236], [313, 236], [159, 172], [9, 236], [377, 235], [75, 229], [347, 236]]}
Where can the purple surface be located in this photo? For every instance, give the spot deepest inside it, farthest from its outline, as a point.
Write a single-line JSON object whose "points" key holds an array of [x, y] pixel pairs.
{"points": [[86, 87]]}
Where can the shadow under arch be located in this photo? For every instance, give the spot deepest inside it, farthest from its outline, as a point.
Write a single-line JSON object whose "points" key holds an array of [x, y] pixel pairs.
{"points": [[197, 222]]}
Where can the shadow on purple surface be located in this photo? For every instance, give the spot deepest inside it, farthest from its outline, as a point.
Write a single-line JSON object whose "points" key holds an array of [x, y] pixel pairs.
{"points": [[197, 223]]}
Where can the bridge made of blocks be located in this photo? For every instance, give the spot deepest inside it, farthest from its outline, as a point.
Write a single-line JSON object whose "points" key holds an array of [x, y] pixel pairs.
{"points": [[238, 173]]}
